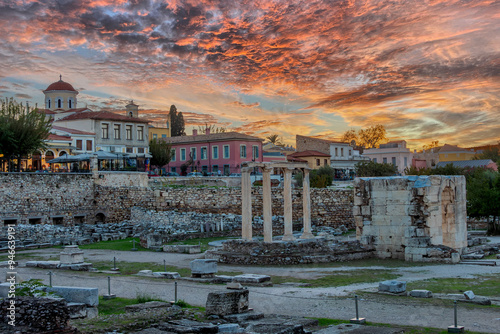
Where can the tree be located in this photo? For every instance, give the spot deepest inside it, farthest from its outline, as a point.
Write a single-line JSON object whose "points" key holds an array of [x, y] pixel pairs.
{"points": [[161, 152], [367, 138], [177, 121], [318, 178], [212, 128], [371, 168], [433, 144], [23, 130], [275, 140]]}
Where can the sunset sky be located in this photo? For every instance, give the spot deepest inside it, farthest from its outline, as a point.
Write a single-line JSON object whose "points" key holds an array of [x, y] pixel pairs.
{"points": [[426, 70]]}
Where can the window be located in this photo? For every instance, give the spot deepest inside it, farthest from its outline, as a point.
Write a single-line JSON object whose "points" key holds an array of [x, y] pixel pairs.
{"points": [[226, 170], [105, 131], [255, 152], [140, 133], [155, 136], [164, 136], [406, 162], [243, 151], [79, 144], [318, 163], [226, 152], [204, 169], [140, 150], [172, 155], [116, 128], [394, 161], [173, 169], [336, 151], [168, 124], [129, 150], [59, 103], [326, 162], [203, 153], [183, 154], [89, 145], [48, 104], [350, 152], [192, 152], [342, 151], [215, 168], [128, 130], [375, 160], [215, 152], [385, 160], [70, 103]]}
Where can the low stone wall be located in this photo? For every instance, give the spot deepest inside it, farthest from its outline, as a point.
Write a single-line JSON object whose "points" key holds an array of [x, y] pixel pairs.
{"points": [[36, 315], [289, 253]]}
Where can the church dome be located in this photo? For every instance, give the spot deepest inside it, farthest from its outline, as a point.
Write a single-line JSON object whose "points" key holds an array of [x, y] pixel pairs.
{"points": [[60, 85]]}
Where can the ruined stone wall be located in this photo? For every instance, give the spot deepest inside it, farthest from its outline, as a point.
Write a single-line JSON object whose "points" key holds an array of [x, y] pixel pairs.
{"points": [[45, 197], [417, 218], [70, 199]]}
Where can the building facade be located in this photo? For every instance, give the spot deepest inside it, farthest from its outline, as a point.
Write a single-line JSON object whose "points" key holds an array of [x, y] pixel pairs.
{"points": [[394, 152], [220, 153]]}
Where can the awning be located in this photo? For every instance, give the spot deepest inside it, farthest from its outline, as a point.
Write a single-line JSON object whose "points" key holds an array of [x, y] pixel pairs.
{"points": [[139, 155]]}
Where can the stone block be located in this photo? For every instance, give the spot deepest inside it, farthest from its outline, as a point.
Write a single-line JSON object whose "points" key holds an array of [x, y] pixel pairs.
{"points": [[469, 295], [145, 273], [167, 274], [87, 296], [251, 278], [146, 306], [392, 286], [421, 293], [70, 255], [223, 303], [230, 328], [203, 267]]}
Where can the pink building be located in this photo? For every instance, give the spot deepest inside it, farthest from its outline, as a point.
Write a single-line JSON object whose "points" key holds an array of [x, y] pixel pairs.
{"points": [[218, 152]]}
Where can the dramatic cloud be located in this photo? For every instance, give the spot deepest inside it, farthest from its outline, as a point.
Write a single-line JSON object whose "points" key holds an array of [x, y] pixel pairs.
{"points": [[427, 70]]}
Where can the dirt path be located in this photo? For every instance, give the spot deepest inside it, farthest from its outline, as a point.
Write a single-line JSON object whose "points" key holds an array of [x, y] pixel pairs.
{"points": [[334, 303]]}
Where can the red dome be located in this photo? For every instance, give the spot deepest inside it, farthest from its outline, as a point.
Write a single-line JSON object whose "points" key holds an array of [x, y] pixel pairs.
{"points": [[60, 85]]}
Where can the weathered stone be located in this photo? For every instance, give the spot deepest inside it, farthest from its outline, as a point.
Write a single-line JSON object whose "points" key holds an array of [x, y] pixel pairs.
{"points": [[392, 286], [167, 274], [71, 255], [469, 295], [87, 296], [230, 328], [200, 267], [145, 273], [227, 302], [188, 326], [251, 278], [421, 293], [146, 306]]}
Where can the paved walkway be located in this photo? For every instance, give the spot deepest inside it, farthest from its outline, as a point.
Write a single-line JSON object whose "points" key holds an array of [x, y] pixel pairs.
{"points": [[334, 303]]}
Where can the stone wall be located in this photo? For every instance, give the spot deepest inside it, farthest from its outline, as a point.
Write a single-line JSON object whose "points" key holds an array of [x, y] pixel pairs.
{"points": [[71, 199], [416, 218]]}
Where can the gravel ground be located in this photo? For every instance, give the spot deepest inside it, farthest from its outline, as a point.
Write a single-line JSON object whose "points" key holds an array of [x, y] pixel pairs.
{"points": [[334, 303]]}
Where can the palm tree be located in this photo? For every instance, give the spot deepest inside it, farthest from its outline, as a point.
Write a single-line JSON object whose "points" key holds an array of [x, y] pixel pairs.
{"points": [[275, 140]]}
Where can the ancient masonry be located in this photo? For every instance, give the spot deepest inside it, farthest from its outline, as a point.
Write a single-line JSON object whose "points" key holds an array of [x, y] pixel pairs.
{"points": [[416, 218], [67, 200]]}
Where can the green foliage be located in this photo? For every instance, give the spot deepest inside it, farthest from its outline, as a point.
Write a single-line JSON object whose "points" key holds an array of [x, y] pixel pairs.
{"points": [[177, 121], [33, 288], [212, 128], [449, 169], [370, 168], [161, 152], [117, 245], [183, 304], [484, 285], [22, 130], [318, 178], [275, 140]]}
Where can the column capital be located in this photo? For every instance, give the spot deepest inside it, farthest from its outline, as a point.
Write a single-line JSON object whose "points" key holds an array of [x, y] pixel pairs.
{"points": [[246, 170]]}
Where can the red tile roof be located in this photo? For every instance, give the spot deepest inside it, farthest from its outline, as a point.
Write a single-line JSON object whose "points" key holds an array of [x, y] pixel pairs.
{"points": [[57, 137], [103, 115], [211, 137], [60, 85], [72, 131], [308, 153]]}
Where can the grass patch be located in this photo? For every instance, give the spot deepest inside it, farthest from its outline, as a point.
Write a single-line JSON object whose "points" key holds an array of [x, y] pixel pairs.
{"points": [[483, 285], [341, 278], [365, 263], [24, 256], [117, 245]]}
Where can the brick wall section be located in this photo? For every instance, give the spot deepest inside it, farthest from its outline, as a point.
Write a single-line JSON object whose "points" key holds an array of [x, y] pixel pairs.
{"points": [[314, 144], [46, 195]]}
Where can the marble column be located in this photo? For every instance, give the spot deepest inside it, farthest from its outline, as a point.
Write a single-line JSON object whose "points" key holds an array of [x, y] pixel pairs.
{"points": [[306, 196], [267, 205], [287, 195], [246, 205]]}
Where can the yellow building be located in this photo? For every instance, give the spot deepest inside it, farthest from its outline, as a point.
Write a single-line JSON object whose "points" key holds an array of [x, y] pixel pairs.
{"points": [[157, 130], [314, 159], [454, 153]]}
